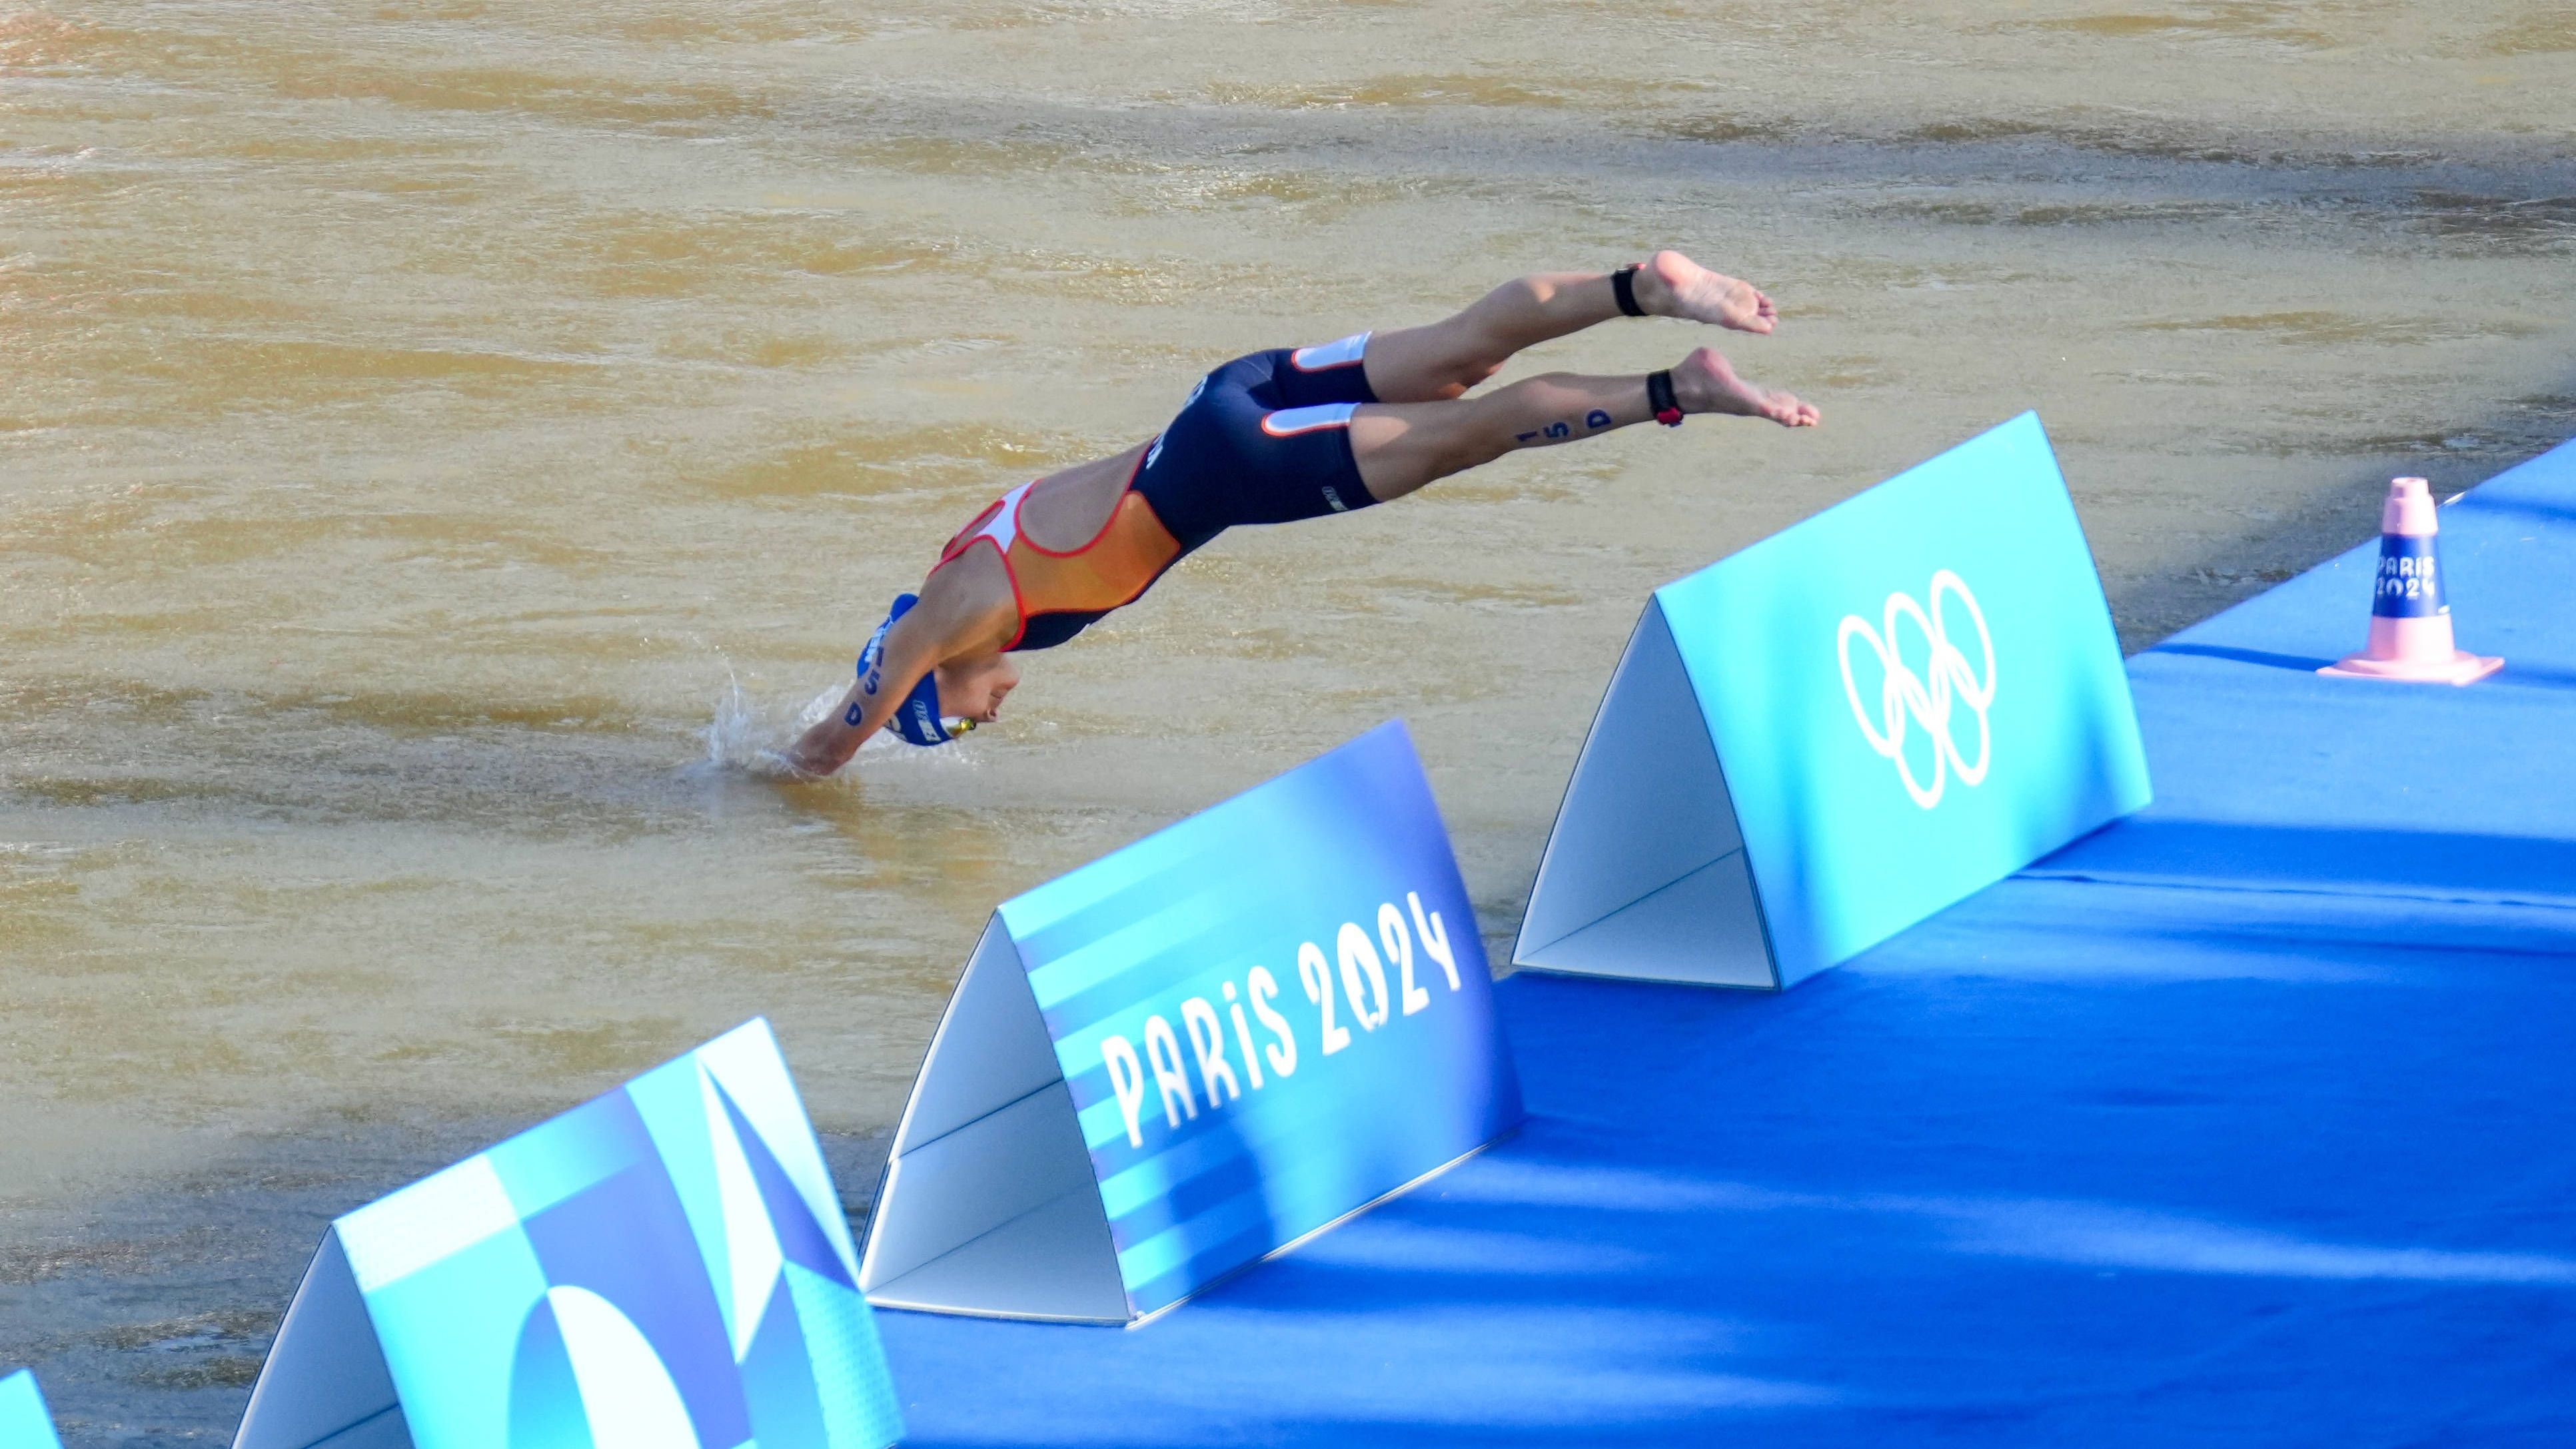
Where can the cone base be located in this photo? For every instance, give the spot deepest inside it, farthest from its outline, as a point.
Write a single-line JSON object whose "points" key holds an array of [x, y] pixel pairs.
{"points": [[2461, 668]]}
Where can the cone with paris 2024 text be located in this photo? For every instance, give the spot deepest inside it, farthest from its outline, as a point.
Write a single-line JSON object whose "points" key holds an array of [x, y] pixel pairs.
{"points": [[2410, 621]]}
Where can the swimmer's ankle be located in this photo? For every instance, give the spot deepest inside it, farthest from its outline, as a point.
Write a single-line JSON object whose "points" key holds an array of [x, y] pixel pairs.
{"points": [[1697, 387], [1652, 284]]}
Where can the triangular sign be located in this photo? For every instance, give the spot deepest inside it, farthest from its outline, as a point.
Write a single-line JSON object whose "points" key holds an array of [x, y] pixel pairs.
{"points": [[666, 1265], [1197, 1052], [1644, 876], [325, 1380], [1863, 719], [989, 1205]]}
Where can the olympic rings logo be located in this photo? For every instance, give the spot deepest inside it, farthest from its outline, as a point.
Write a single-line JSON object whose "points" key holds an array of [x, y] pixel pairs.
{"points": [[1906, 699]]}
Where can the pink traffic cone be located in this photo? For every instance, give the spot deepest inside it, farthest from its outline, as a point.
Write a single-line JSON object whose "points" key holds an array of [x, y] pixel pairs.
{"points": [[2410, 624]]}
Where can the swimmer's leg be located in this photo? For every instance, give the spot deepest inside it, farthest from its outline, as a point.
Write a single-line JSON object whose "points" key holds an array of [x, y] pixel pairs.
{"points": [[1399, 447], [1444, 359]]}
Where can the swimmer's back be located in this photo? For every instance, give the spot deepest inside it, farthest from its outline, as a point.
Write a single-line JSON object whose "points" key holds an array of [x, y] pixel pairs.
{"points": [[1263, 439]]}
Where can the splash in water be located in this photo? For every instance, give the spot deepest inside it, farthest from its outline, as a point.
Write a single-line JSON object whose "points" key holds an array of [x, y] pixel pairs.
{"points": [[752, 735]]}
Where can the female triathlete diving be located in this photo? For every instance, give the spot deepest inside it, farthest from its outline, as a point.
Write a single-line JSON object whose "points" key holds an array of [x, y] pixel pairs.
{"points": [[1270, 438]]}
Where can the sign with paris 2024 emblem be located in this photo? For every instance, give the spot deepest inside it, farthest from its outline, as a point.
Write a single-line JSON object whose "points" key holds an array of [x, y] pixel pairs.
{"points": [[1198, 1051]]}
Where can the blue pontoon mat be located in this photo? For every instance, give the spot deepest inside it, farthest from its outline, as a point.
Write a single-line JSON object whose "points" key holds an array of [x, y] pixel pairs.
{"points": [[2251, 1120]]}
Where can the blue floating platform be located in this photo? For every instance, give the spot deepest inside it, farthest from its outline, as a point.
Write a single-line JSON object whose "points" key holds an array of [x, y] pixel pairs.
{"points": [[2250, 1119]]}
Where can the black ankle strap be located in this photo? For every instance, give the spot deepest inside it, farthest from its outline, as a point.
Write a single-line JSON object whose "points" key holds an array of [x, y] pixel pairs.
{"points": [[1659, 396], [1623, 285]]}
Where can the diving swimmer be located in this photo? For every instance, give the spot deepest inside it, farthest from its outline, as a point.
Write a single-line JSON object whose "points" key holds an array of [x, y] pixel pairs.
{"points": [[1272, 438]]}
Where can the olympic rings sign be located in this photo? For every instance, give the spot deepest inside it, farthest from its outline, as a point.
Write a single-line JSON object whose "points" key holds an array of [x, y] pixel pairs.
{"points": [[1906, 698]]}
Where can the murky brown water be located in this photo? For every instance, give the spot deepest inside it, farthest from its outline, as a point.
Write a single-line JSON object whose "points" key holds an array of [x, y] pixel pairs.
{"points": [[417, 420]]}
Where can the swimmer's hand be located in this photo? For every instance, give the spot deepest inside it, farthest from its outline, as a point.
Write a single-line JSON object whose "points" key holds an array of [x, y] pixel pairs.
{"points": [[797, 764], [830, 742], [825, 748]]}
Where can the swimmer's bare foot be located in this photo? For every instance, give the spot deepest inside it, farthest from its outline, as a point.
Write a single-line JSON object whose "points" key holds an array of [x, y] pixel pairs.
{"points": [[1703, 383], [1672, 285]]}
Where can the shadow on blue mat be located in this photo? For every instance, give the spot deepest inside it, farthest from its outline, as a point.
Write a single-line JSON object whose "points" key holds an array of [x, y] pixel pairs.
{"points": [[2244, 656], [2503, 501], [2516, 673], [2418, 864]]}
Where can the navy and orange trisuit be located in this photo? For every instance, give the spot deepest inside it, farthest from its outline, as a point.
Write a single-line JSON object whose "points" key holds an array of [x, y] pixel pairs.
{"points": [[1263, 439]]}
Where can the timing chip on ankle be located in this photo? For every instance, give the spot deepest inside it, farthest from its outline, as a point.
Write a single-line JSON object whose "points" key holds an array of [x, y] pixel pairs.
{"points": [[1623, 285], [1659, 396]]}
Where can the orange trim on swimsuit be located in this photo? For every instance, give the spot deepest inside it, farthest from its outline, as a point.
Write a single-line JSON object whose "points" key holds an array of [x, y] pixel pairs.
{"points": [[1117, 564]]}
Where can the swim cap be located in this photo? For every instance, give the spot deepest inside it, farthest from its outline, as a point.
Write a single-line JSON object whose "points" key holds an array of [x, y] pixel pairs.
{"points": [[917, 720]]}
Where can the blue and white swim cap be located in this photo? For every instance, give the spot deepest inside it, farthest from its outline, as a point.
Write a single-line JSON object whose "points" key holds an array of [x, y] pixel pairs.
{"points": [[918, 719]]}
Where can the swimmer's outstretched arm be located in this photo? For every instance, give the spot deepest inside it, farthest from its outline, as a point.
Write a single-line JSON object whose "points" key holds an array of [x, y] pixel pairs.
{"points": [[954, 618], [1400, 447]]}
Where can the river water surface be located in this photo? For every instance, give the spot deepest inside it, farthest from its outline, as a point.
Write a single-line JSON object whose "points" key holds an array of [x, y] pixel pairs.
{"points": [[440, 442]]}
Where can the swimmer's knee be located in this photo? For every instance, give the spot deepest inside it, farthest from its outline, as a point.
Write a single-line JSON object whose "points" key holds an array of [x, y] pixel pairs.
{"points": [[1466, 374]]}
